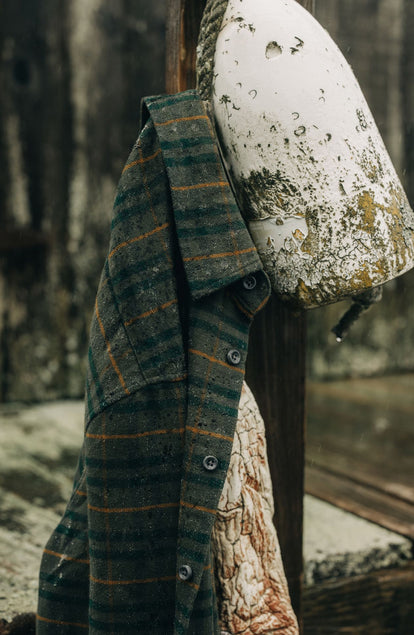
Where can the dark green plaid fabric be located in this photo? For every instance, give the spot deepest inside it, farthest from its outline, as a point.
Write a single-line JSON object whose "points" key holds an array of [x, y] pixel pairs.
{"points": [[161, 393]]}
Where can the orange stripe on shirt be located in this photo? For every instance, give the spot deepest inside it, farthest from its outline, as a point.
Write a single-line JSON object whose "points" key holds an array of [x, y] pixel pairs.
{"points": [[210, 434], [137, 435], [262, 304], [167, 578], [241, 308], [180, 378], [199, 508], [130, 510], [170, 121], [248, 313], [222, 255], [215, 361], [108, 366], [64, 556], [50, 621], [192, 584], [108, 348], [197, 186], [137, 238], [151, 312], [141, 161]]}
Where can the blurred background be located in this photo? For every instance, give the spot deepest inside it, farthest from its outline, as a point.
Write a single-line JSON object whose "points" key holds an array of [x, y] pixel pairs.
{"points": [[72, 75]]}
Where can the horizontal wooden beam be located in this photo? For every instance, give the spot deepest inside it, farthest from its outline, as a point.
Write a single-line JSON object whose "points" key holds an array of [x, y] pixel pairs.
{"points": [[343, 464], [361, 499], [379, 603]]}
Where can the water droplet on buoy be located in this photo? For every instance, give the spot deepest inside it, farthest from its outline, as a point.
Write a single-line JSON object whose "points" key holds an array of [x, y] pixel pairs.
{"points": [[273, 49]]}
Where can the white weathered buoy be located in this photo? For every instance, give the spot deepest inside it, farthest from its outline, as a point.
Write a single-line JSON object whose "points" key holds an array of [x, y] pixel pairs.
{"points": [[313, 178]]}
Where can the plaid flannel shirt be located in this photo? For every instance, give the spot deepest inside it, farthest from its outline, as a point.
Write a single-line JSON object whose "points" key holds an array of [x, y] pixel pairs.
{"points": [[168, 344]]}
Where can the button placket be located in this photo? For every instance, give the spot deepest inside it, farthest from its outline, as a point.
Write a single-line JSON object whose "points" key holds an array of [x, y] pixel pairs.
{"points": [[210, 463], [252, 293], [249, 283], [234, 357], [185, 572]]}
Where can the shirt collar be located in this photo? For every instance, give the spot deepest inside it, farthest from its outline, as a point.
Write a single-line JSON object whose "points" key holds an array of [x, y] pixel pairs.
{"points": [[215, 245]]}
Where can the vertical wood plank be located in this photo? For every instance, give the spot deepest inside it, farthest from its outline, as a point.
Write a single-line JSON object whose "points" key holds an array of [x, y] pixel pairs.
{"points": [[173, 72], [276, 375], [308, 4], [183, 24], [408, 98]]}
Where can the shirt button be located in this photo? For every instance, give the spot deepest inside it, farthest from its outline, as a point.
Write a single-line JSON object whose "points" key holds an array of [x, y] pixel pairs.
{"points": [[185, 572], [210, 463], [233, 357], [249, 283]]}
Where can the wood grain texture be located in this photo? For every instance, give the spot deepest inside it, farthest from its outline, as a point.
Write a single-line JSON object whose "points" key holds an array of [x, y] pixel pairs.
{"points": [[343, 464], [173, 73], [380, 603], [183, 23], [360, 443], [364, 501], [408, 97], [308, 4], [276, 375]]}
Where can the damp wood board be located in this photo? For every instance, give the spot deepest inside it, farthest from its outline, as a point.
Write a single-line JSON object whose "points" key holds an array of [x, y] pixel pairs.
{"points": [[379, 603], [360, 444]]}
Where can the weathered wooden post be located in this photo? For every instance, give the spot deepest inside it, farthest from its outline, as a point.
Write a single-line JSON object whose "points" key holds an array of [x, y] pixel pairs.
{"points": [[276, 374], [276, 365], [183, 23]]}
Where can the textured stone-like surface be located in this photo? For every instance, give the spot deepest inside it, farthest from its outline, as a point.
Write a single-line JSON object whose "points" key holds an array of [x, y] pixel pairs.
{"points": [[24, 529], [38, 453], [251, 585], [339, 544], [44, 440]]}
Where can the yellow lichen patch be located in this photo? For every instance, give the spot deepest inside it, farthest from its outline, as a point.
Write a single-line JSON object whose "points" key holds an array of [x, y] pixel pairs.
{"points": [[306, 296], [310, 297], [368, 208], [381, 268], [396, 204], [361, 280], [298, 235], [311, 243], [395, 223]]}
